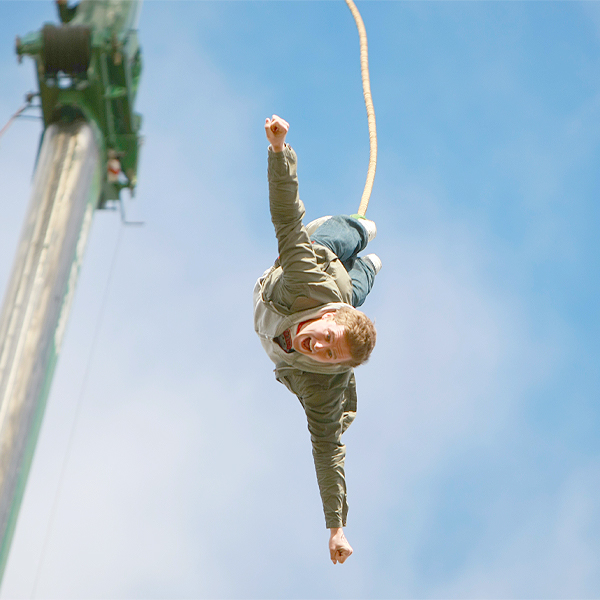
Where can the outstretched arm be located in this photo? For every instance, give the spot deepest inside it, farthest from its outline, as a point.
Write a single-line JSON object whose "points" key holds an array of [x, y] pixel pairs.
{"points": [[327, 400], [297, 258]]}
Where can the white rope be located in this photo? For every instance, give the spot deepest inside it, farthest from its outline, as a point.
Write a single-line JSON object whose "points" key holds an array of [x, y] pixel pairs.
{"points": [[364, 69]]}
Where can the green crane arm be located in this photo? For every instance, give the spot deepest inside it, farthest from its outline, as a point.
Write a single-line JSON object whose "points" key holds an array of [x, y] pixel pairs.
{"points": [[89, 67], [88, 71]]}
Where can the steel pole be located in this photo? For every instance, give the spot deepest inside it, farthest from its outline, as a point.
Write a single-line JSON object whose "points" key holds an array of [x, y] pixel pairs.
{"points": [[66, 189]]}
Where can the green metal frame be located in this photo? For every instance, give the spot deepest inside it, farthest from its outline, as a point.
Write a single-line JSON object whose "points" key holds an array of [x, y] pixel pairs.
{"points": [[104, 94], [88, 68]]}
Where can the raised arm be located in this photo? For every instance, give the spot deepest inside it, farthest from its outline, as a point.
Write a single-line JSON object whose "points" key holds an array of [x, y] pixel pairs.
{"points": [[297, 258]]}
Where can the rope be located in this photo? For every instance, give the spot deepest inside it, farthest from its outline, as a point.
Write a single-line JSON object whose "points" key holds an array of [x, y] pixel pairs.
{"points": [[364, 69]]}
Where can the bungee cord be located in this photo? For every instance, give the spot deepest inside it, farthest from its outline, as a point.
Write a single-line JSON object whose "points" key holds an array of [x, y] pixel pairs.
{"points": [[364, 69]]}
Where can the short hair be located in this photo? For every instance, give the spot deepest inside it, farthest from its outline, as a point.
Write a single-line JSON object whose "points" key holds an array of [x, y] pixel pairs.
{"points": [[359, 332]]}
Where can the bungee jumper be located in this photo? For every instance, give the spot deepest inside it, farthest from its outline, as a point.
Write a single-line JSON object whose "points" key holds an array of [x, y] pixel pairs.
{"points": [[305, 314], [305, 307]]}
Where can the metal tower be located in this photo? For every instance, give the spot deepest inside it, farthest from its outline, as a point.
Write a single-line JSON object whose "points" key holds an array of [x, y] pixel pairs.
{"points": [[88, 70]]}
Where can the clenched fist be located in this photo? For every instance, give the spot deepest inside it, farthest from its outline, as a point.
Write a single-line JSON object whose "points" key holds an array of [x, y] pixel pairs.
{"points": [[339, 548], [276, 129]]}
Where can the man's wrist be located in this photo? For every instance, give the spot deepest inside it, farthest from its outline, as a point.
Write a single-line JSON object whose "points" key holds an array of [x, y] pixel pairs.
{"points": [[278, 148], [335, 530]]}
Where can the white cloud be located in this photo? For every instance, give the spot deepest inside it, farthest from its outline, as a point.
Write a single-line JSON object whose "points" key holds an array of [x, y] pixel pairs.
{"points": [[549, 553]]}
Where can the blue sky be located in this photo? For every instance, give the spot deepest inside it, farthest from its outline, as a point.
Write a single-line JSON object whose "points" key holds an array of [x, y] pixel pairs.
{"points": [[474, 463]]}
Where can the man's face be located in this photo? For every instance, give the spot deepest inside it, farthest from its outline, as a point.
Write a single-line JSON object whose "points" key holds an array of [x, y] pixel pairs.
{"points": [[323, 340]]}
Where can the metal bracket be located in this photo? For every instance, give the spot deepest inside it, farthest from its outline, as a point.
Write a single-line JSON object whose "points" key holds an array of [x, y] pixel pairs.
{"points": [[124, 217]]}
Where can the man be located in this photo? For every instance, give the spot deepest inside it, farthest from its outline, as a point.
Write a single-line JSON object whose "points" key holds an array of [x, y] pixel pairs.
{"points": [[305, 315]]}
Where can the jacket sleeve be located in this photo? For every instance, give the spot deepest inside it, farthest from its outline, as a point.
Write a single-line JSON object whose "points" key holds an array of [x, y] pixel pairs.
{"points": [[329, 402], [296, 255]]}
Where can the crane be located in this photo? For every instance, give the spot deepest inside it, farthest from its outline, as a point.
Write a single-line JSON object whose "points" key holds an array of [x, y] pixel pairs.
{"points": [[88, 70]]}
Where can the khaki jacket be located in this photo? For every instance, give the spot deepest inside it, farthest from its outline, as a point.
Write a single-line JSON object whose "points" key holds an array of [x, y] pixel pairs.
{"points": [[306, 281]]}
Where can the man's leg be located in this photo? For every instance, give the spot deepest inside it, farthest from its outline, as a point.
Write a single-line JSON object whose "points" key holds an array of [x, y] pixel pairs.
{"points": [[362, 272], [343, 235], [346, 237]]}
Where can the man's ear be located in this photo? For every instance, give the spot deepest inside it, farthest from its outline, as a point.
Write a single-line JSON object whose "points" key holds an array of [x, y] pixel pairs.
{"points": [[328, 316]]}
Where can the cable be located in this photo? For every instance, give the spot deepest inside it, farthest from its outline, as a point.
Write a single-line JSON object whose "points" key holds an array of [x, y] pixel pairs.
{"points": [[10, 121], [24, 107], [364, 69], [77, 411]]}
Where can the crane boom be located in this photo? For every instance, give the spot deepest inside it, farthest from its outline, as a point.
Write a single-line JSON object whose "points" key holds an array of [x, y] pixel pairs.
{"points": [[88, 69], [37, 303]]}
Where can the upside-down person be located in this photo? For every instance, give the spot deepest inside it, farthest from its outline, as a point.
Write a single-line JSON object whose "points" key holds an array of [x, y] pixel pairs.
{"points": [[305, 315]]}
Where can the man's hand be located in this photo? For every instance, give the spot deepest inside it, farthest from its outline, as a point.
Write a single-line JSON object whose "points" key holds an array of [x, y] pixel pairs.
{"points": [[276, 130], [339, 548]]}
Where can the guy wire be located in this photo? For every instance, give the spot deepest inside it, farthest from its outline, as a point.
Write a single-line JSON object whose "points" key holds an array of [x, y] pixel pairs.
{"points": [[78, 406], [17, 114]]}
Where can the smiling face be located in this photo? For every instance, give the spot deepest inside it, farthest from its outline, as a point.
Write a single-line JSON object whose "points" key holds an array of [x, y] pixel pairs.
{"points": [[323, 340]]}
